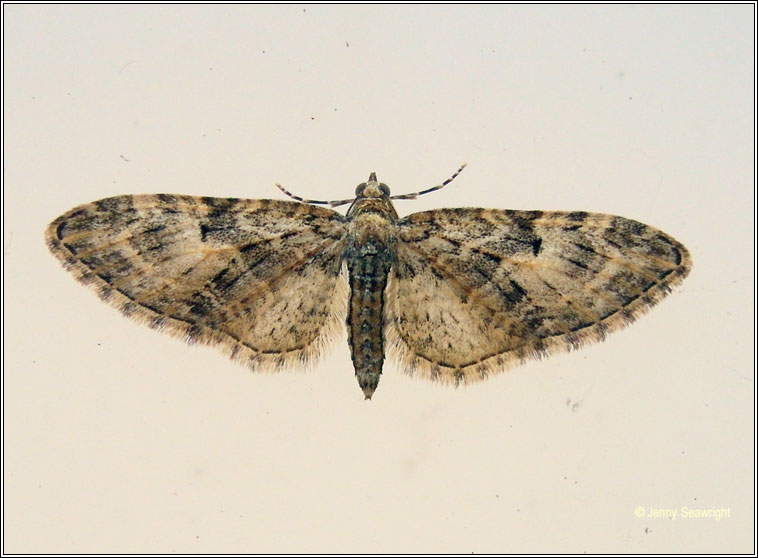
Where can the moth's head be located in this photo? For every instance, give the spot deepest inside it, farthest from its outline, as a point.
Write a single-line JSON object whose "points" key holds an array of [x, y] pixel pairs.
{"points": [[372, 188], [372, 196]]}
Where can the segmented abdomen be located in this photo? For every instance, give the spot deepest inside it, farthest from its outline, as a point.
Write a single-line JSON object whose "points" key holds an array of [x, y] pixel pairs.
{"points": [[365, 318]]}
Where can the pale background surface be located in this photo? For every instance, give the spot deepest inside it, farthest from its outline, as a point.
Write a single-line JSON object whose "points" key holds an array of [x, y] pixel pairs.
{"points": [[120, 439]]}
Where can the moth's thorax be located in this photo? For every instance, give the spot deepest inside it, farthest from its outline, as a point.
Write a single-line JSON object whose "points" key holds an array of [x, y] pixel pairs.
{"points": [[371, 219], [371, 229]]}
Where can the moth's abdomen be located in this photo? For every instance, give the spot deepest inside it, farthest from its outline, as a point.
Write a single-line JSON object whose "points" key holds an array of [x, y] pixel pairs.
{"points": [[368, 258]]}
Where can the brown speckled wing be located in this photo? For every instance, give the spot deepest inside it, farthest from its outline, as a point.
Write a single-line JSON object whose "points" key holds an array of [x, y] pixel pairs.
{"points": [[477, 290], [260, 279]]}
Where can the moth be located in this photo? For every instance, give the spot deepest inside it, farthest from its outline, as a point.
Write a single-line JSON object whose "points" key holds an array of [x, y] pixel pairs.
{"points": [[453, 295]]}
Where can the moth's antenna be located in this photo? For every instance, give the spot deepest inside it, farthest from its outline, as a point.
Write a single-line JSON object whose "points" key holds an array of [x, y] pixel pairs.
{"points": [[337, 203], [414, 195], [333, 203]]}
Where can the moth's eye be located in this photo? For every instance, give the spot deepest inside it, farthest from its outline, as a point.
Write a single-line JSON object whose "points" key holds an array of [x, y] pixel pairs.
{"points": [[359, 189], [385, 189]]}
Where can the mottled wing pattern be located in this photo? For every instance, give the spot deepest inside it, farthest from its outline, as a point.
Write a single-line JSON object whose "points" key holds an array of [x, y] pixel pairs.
{"points": [[261, 279], [475, 290]]}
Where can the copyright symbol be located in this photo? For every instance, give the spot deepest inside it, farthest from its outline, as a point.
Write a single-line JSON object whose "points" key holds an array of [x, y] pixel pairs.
{"points": [[639, 511]]}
